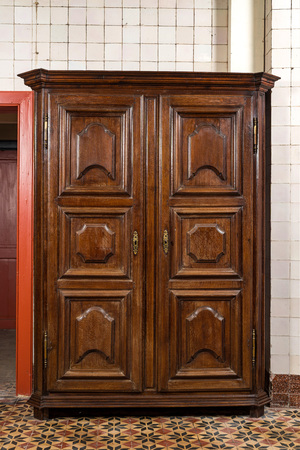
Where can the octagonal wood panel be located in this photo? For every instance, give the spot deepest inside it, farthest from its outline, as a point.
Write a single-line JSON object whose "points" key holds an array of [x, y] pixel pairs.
{"points": [[96, 242], [207, 242]]}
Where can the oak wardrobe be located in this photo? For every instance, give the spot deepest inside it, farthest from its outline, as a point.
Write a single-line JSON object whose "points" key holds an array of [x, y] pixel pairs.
{"points": [[151, 266]]}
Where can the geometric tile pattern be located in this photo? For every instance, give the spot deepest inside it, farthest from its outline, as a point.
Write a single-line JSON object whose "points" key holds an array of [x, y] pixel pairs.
{"points": [[277, 429]]}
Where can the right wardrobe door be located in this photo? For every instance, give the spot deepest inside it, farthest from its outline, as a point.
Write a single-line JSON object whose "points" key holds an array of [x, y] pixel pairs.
{"points": [[206, 233]]}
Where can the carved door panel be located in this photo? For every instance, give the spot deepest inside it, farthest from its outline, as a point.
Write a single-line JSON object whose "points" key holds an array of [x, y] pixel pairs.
{"points": [[95, 203], [205, 274]]}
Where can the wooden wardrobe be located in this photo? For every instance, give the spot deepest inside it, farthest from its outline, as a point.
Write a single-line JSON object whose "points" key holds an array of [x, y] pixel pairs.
{"points": [[151, 266]]}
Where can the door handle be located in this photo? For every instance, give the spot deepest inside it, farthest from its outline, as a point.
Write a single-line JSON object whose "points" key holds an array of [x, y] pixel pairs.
{"points": [[135, 242], [165, 242]]}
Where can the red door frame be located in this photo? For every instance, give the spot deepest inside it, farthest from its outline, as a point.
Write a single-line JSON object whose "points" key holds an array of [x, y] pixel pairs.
{"points": [[24, 103]]}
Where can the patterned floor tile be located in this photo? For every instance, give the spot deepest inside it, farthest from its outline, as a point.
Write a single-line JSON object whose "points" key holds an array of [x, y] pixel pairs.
{"points": [[7, 390], [277, 429]]}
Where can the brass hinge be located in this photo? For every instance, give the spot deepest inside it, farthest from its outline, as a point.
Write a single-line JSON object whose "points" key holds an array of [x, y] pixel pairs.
{"points": [[46, 131], [255, 134], [45, 349], [253, 347]]}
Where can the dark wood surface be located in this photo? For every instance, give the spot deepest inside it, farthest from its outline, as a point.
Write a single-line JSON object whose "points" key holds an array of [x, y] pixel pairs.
{"points": [[8, 238], [169, 156]]}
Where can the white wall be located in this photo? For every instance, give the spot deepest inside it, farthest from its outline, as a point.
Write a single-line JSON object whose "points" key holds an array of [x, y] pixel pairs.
{"points": [[181, 35], [283, 59], [111, 34]]}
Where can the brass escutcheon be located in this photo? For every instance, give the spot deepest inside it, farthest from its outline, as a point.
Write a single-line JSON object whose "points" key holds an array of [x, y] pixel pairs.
{"points": [[135, 242], [166, 242]]}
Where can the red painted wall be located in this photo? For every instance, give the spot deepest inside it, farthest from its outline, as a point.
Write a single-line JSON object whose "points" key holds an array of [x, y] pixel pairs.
{"points": [[24, 260]]}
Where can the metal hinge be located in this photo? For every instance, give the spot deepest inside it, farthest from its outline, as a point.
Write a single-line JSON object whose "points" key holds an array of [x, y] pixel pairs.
{"points": [[46, 131], [255, 134], [253, 347], [45, 349]]}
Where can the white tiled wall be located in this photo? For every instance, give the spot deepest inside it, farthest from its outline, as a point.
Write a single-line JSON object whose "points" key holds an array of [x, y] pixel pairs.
{"points": [[111, 35], [180, 35], [283, 59]]}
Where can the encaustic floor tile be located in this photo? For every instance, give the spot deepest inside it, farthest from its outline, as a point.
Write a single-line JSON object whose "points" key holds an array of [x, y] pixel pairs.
{"points": [[277, 429]]}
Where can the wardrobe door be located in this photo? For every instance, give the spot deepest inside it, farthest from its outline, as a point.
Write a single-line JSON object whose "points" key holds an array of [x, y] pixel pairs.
{"points": [[206, 261], [94, 196]]}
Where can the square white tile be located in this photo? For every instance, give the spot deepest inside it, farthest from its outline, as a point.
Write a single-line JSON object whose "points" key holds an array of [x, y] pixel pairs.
{"points": [[59, 15], [131, 52], [131, 35], [113, 16], [166, 35], [184, 53], [149, 35], [149, 16], [77, 52], [77, 16], [149, 52], [77, 33], [95, 52], [95, 16], [131, 16], [185, 17], [166, 17]]}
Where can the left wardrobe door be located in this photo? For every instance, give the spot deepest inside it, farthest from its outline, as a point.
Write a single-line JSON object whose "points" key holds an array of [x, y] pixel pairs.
{"points": [[93, 206]]}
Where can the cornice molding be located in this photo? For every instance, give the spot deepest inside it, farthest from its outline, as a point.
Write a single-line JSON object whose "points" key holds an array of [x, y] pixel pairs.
{"points": [[61, 79]]}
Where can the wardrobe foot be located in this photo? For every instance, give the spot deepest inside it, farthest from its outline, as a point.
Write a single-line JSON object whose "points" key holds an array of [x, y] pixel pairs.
{"points": [[256, 411], [41, 414]]}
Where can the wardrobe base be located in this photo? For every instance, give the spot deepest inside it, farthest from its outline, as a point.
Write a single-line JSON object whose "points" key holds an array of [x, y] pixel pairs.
{"points": [[56, 404]]}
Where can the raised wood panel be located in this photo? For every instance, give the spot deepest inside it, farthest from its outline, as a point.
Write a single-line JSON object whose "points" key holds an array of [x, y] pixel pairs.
{"points": [[204, 152], [95, 143], [94, 341], [95, 148], [206, 242], [94, 333], [200, 143], [205, 145], [205, 333], [206, 342], [98, 149], [95, 242]]}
